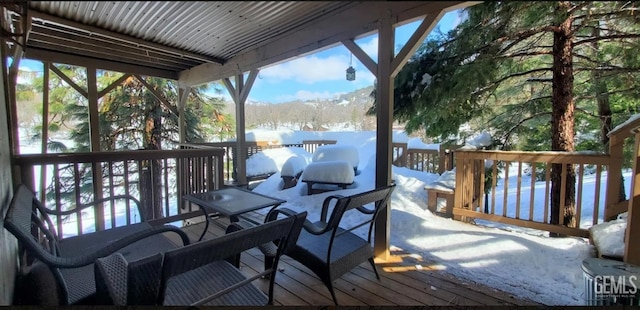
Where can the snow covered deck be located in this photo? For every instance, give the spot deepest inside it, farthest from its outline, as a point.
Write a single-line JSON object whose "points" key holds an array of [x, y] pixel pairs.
{"points": [[405, 281]]}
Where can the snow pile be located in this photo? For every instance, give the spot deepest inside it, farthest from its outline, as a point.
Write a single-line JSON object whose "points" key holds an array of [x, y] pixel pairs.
{"points": [[271, 160], [446, 181], [481, 140], [335, 171], [333, 152], [608, 237], [293, 166]]}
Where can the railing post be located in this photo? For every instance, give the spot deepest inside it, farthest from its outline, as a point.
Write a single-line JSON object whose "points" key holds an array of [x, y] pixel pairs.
{"points": [[632, 234], [458, 189], [614, 175]]}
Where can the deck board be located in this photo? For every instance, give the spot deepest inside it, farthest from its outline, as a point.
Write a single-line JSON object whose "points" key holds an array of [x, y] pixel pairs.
{"points": [[401, 282]]}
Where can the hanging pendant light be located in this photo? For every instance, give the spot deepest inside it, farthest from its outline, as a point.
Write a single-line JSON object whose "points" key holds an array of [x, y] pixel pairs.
{"points": [[351, 72]]}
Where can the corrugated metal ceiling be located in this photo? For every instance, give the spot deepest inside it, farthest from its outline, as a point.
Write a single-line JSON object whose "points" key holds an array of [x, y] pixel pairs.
{"points": [[168, 35]]}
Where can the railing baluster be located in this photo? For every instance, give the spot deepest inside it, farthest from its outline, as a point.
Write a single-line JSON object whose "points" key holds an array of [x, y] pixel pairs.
{"points": [[494, 186], [505, 188], [547, 189], [518, 189], [579, 195], [125, 175], [596, 199], [111, 194], [76, 185], [533, 167]]}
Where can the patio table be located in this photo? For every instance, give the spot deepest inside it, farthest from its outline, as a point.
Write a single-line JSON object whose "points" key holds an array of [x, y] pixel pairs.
{"points": [[231, 202]]}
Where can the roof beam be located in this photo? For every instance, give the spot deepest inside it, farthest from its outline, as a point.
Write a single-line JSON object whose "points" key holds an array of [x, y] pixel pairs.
{"points": [[57, 57], [352, 22]]}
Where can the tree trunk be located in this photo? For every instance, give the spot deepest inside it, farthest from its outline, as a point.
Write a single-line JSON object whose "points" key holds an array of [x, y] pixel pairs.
{"points": [[150, 175], [562, 123], [604, 107]]}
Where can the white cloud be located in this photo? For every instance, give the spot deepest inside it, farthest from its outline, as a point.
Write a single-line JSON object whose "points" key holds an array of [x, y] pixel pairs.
{"points": [[308, 70], [371, 48]]}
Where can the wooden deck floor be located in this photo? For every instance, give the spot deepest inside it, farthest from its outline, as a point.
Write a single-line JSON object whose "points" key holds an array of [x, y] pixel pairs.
{"points": [[405, 281]]}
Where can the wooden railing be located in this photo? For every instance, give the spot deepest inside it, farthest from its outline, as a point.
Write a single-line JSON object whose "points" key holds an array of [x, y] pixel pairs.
{"points": [[157, 178], [432, 161], [251, 147], [515, 200]]}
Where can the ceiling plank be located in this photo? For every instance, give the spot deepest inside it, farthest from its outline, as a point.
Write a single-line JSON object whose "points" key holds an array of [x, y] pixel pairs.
{"points": [[79, 48], [101, 45], [349, 23], [76, 60], [122, 37]]}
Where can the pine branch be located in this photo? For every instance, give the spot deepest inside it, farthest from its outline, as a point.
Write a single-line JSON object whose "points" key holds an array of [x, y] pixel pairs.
{"points": [[590, 97], [609, 37], [504, 78], [510, 132]]}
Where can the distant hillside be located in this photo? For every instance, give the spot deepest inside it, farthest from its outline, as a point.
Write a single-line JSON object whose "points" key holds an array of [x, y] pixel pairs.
{"points": [[344, 111]]}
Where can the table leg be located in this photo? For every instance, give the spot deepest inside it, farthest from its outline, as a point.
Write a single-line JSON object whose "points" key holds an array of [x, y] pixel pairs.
{"points": [[206, 224]]}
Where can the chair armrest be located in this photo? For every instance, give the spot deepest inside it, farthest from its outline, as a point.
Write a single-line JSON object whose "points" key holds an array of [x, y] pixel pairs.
{"points": [[326, 204], [79, 261], [83, 206], [312, 228], [366, 210]]}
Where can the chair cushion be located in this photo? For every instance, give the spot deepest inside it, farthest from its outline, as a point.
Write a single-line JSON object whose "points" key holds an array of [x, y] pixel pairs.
{"points": [[81, 281], [349, 251], [193, 285]]}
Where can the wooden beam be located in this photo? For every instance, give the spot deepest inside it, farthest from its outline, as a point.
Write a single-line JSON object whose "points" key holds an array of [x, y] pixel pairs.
{"points": [[361, 55], [76, 60], [113, 85], [117, 36], [183, 94], [158, 95], [69, 81], [231, 89], [384, 117], [632, 233], [92, 96], [45, 127], [244, 94], [352, 22], [414, 42]]}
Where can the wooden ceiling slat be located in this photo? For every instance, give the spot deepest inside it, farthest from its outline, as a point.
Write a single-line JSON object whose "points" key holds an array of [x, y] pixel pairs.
{"points": [[118, 36], [103, 45], [104, 64], [77, 49]]}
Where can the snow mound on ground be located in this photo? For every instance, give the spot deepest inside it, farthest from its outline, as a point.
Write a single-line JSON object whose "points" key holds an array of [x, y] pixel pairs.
{"points": [[608, 237]]}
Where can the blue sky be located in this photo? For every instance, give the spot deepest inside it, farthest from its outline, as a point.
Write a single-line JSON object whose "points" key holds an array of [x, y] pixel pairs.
{"points": [[322, 75], [318, 75]]}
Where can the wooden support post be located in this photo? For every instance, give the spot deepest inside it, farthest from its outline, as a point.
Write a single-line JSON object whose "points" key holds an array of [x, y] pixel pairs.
{"points": [[94, 123], [239, 94], [632, 234], [45, 127]]}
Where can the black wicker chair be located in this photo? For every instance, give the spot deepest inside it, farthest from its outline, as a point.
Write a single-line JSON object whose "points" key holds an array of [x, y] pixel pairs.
{"points": [[200, 274], [330, 250], [69, 261]]}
